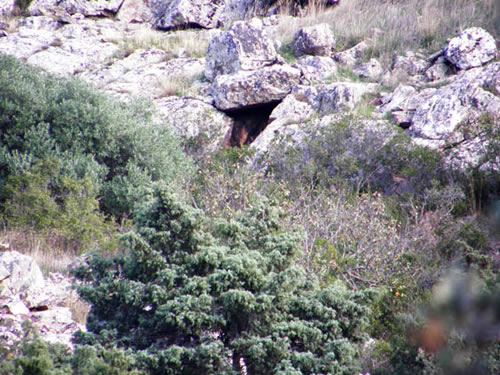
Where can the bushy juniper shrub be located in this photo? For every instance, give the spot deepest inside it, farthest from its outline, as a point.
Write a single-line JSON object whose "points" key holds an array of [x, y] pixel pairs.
{"points": [[113, 144], [190, 300], [34, 356]]}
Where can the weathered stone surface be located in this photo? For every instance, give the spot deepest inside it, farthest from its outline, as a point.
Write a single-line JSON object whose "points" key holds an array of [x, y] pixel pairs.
{"points": [[472, 48], [96, 8], [291, 111], [192, 118], [138, 11], [188, 13], [351, 56], [19, 273], [411, 63], [398, 99], [237, 9], [314, 40], [245, 89], [6, 7], [335, 97], [13, 305], [369, 70], [317, 68], [244, 46], [439, 70]]}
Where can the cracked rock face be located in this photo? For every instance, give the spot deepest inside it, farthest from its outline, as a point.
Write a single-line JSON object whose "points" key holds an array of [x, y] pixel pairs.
{"points": [[247, 89], [472, 48], [317, 40], [174, 14], [244, 46]]}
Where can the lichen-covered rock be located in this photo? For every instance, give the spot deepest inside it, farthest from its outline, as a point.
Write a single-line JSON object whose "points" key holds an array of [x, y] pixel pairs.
{"points": [[370, 70], [138, 11], [351, 56], [193, 119], [251, 88], [244, 46], [334, 97], [18, 273], [411, 63], [7, 7], [188, 13], [314, 40], [317, 68], [472, 48], [291, 111]]}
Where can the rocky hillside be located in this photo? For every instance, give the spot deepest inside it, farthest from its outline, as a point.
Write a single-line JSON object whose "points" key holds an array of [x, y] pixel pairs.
{"points": [[306, 101]]}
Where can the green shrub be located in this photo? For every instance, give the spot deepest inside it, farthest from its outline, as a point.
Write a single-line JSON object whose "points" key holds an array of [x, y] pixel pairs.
{"points": [[189, 301], [112, 144]]}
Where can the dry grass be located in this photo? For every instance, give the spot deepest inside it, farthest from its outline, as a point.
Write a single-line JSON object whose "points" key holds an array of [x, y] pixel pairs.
{"points": [[49, 251], [175, 85], [177, 44], [395, 26], [79, 308]]}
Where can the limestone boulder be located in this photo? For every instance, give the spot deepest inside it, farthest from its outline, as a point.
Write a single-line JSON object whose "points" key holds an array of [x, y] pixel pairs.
{"points": [[175, 14], [18, 273], [252, 88], [351, 56], [137, 11], [193, 120], [314, 40], [7, 7], [472, 48], [317, 68], [245, 46], [371, 69], [336, 97]]}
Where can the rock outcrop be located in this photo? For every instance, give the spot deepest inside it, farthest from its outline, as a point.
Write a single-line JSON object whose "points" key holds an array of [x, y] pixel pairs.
{"points": [[187, 13], [471, 49], [244, 46], [25, 295], [315, 40]]}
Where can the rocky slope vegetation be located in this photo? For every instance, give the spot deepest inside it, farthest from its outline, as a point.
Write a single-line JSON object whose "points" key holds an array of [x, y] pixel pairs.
{"points": [[220, 74]]}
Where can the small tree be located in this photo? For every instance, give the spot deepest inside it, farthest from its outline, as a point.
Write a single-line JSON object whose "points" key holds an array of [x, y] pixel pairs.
{"points": [[190, 300]]}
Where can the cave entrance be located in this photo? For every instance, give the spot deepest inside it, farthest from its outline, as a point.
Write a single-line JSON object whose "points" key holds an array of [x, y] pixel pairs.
{"points": [[248, 123]]}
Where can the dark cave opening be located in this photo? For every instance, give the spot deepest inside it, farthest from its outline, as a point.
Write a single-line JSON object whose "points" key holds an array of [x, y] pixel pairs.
{"points": [[248, 123]]}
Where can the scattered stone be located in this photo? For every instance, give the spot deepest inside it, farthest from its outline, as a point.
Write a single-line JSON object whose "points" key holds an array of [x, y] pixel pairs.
{"points": [[411, 63], [244, 46], [251, 88], [137, 11], [315, 40], [439, 70], [291, 111], [472, 48], [370, 70], [317, 68], [351, 56], [335, 97], [186, 13], [19, 273]]}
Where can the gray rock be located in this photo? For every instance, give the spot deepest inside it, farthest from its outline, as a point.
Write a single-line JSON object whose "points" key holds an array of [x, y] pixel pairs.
{"points": [[19, 273], [369, 70], [138, 11], [317, 68], [472, 48], [438, 71], [192, 118], [244, 46], [7, 7], [335, 97], [411, 63], [188, 13], [314, 40], [291, 111], [352, 56], [250, 88]]}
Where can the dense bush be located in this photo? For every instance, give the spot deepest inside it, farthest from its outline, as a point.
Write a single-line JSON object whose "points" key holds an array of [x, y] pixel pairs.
{"points": [[112, 144], [193, 301]]}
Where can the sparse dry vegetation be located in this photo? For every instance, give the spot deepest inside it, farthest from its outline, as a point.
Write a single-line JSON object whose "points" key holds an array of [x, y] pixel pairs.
{"points": [[394, 26]]}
